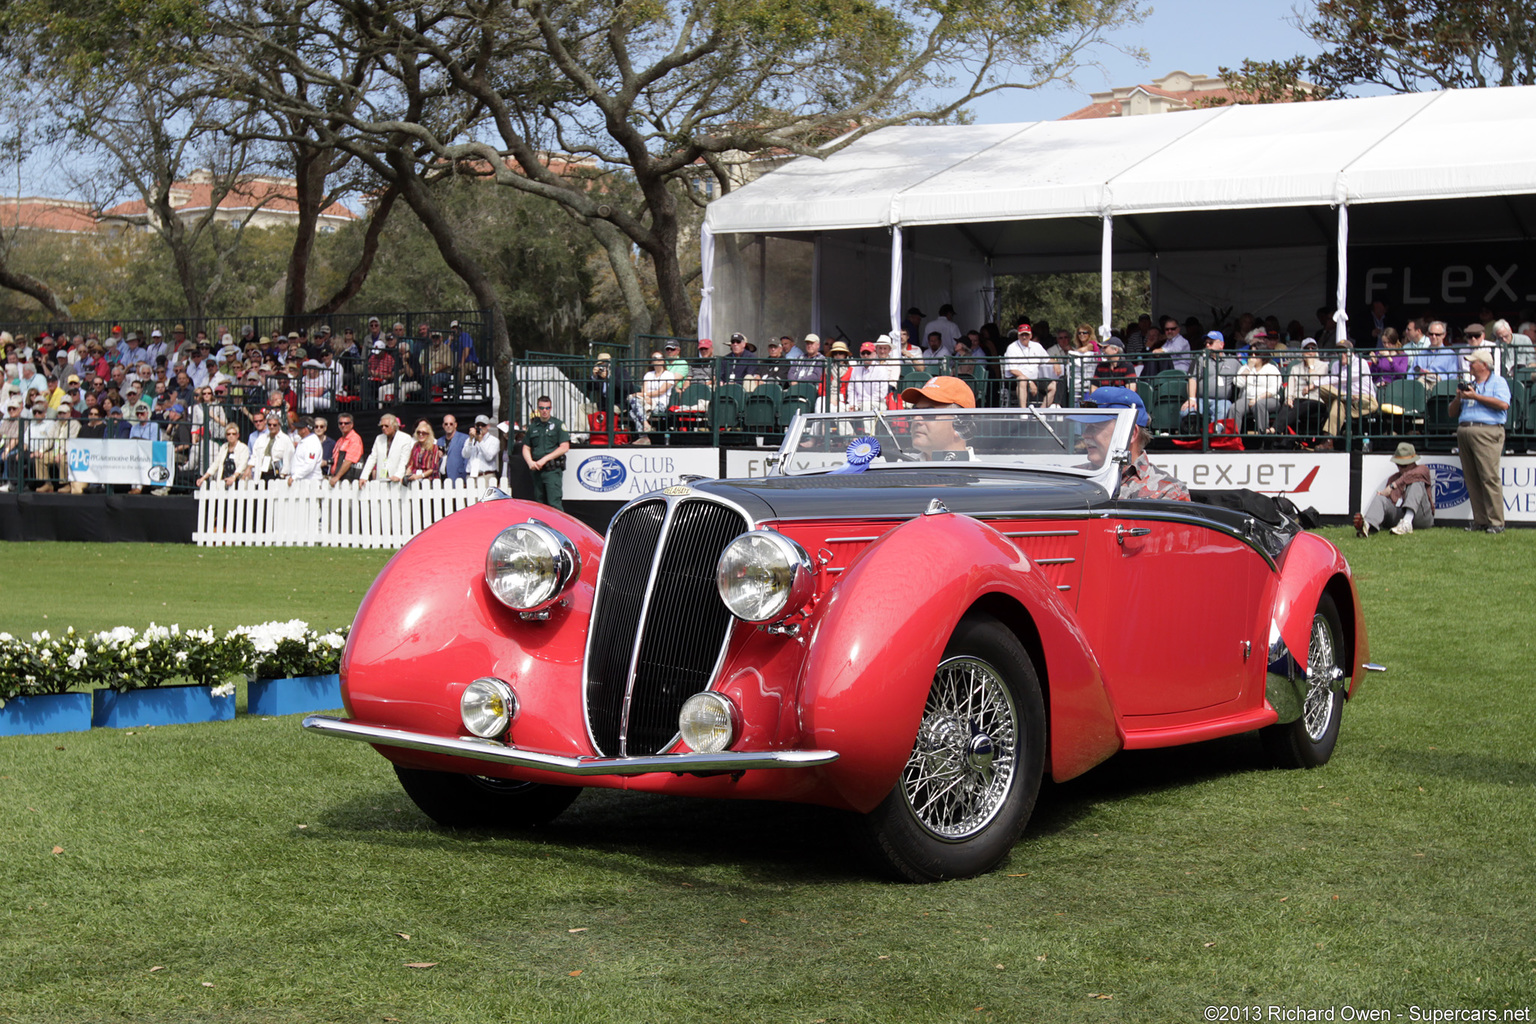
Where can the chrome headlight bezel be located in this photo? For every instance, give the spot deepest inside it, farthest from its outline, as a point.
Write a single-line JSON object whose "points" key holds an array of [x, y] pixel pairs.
{"points": [[708, 709], [488, 707], [557, 569], [777, 567]]}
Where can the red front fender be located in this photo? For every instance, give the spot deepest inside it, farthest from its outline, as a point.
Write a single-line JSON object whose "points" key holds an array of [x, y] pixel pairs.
{"points": [[429, 625], [882, 629]]}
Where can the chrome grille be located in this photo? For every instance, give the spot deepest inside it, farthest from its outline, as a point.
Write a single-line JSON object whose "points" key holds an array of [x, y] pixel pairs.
{"points": [[659, 564]]}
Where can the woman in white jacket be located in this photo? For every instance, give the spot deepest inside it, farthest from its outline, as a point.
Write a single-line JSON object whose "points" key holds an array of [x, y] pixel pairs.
{"points": [[230, 460], [1259, 385]]}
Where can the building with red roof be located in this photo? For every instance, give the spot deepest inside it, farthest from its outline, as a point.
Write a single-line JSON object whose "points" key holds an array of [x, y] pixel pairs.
{"points": [[261, 202], [1177, 91]]}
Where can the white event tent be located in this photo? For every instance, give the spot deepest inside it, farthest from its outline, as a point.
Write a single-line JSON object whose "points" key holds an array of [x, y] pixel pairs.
{"points": [[1241, 207]]}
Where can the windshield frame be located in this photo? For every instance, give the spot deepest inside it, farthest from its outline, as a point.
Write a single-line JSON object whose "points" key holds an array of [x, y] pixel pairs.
{"points": [[1106, 476]]}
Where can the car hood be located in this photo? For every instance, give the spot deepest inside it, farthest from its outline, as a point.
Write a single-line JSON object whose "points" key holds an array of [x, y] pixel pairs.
{"points": [[907, 491]]}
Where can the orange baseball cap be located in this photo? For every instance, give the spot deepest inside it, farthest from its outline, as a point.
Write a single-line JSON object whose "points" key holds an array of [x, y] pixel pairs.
{"points": [[945, 391]]}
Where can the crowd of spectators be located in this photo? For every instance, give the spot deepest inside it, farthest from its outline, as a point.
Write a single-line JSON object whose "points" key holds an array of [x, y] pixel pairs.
{"points": [[246, 408], [1249, 374]]}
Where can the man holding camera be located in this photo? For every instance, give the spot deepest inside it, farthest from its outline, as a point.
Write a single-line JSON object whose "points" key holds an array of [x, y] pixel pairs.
{"points": [[1481, 406], [544, 450]]}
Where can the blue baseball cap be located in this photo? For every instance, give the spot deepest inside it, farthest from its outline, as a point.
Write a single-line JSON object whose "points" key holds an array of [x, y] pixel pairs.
{"points": [[1120, 398]]}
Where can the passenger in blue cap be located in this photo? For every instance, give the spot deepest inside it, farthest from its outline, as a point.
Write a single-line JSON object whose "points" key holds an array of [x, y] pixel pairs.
{"points": [[1139, 478]]}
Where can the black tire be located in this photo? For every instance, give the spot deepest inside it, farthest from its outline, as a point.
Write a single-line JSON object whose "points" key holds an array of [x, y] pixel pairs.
{"points": [[954, 812], [1308, 741], [476, 801]]}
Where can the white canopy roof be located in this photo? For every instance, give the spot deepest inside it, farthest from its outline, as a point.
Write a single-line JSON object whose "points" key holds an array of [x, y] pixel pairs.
{"points": [[1445, 145]]}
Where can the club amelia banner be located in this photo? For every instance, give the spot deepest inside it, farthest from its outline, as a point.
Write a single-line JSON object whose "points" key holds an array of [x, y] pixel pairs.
{"points": [[1518, 473], [619, 474], [119, 461]]}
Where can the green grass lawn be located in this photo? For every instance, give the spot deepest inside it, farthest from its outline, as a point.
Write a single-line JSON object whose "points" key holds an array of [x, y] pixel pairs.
{"points": [[246, 872]]}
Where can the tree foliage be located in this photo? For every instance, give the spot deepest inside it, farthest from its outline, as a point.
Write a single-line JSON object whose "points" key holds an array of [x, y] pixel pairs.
{"points": [[1404, 46], [651, 95], [1063, 300]]}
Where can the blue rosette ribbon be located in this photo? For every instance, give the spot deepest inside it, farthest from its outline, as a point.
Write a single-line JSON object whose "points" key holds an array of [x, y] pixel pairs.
{"points": [[860, 453]]}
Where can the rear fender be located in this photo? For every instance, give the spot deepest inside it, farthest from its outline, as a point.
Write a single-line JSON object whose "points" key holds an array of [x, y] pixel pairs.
{"points": [[880, 632], [1311, 568]]}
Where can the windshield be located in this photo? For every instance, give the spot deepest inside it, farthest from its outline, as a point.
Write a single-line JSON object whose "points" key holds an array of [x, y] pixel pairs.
{"points": [[1077, 441]]}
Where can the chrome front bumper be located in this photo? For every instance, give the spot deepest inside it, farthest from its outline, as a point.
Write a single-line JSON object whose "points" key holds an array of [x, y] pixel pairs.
{"points": [[490, 750]]}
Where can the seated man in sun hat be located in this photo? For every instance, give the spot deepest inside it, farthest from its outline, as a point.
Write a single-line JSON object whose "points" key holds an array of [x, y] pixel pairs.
{"points": [[1405, 500]]}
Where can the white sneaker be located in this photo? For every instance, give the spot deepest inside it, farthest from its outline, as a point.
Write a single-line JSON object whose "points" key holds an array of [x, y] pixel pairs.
{"points": [[1403, 528]]}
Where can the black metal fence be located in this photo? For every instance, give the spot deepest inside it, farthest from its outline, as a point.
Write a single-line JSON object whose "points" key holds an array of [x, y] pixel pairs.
{"points": [[1334, 400]]}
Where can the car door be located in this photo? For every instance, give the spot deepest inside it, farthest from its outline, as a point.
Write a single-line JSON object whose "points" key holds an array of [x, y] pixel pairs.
{"points": [[1173, 601]]}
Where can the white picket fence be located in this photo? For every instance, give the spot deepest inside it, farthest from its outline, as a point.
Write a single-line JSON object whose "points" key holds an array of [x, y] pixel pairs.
{"points": [[349, 515]]}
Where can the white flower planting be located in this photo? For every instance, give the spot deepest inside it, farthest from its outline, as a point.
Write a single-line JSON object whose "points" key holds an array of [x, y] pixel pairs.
{"points": [[125, 659]]}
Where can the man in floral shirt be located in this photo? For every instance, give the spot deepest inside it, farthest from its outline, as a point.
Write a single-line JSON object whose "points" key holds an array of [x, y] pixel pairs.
{"points": [[1138, 478]]}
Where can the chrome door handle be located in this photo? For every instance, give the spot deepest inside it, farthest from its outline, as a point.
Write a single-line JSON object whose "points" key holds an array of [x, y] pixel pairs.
{"points": [[1136, 531]]}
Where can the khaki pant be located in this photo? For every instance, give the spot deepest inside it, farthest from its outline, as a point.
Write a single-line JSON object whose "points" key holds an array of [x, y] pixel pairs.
{"points": [[1339, 409], [1481, 445]]}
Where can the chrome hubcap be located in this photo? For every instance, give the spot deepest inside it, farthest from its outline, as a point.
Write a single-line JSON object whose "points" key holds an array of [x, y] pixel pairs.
{"points": [[1322, 675], [962, 765]]}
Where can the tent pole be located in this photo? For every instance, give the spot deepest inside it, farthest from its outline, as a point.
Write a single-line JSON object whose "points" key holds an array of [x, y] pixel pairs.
{"points": [[706, 280], [1340, 316], [896, 284], [815, 286], [1106, 276]]}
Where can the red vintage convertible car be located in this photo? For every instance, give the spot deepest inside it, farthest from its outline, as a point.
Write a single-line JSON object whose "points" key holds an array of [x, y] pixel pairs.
{"points": [[873, 628]]}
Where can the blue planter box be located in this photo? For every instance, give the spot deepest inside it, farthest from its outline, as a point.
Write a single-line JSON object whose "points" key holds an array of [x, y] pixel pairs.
{"points": [[47, 712], [294, 696], [163, 705]]}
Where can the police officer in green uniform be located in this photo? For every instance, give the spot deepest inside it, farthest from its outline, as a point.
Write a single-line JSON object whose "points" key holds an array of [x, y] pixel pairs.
{"points": [[544, 449]]}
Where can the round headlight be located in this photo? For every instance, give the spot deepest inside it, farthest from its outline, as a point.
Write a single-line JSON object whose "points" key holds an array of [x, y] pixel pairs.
{"points": [[530, 565], [488, 707], [763, 576], [707, 722]]}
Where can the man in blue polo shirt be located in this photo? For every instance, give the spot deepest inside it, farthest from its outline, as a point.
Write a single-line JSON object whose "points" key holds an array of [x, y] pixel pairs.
{"points": [[1437, 361], [1482, 407]]}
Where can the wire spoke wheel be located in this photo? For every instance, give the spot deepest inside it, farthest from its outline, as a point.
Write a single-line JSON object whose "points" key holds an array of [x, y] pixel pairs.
{"points": [[1322, 668], [1308, 741], [969, 784], [963, 762]]}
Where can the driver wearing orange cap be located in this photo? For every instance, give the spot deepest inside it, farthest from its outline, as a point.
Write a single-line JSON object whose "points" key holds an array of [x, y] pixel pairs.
{"points": [[937, 437]]}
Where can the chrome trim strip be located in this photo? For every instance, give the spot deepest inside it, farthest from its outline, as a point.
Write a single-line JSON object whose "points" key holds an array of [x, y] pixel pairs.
{"points": [[847, 540], [1371, 666], [1063, 586], [487, 750], [1154, 515], [1054, 561], [645, 608], [1172, 516]]}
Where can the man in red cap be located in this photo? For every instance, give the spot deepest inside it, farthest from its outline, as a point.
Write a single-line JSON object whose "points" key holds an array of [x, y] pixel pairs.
{"points": [[937, 437]]}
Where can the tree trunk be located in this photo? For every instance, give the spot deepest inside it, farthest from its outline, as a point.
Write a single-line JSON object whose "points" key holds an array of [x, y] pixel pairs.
{"points": [[661, 246], [359, 274], [309, 194], [420, 200], [618, 247]]}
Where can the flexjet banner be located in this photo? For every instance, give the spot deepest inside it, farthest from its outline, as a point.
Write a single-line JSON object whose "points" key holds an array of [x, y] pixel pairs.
{"points": [[1441, 281]]}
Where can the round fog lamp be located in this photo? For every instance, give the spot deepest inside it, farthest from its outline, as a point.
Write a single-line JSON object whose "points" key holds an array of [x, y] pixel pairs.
{"points": [[488, 707], [707, 722]]}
